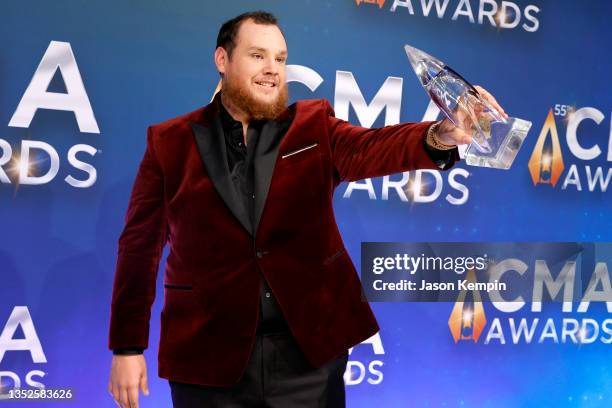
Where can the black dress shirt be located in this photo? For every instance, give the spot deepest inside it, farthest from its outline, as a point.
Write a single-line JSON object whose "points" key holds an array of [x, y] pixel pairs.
{"points": [[240, 158]]}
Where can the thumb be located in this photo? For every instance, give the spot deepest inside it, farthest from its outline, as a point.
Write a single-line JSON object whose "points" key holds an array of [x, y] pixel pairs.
{"points": [[465, 138], [144, 385]]}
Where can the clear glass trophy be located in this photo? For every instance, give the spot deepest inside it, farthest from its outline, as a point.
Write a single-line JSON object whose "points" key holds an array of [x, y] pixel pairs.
{"points": [[495, 139]]}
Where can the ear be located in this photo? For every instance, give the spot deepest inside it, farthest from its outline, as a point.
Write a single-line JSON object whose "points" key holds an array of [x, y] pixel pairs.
{"points": [[220, 59]]}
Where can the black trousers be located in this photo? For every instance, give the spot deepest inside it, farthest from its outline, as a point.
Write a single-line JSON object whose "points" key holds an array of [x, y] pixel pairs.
{"points": [[277, 375]]}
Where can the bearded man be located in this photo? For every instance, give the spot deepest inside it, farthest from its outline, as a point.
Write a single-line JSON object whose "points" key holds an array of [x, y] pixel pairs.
{"points": [[261, 299]]}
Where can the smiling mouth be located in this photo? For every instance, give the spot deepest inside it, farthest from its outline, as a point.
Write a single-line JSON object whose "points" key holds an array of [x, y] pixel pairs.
{"points": [[266, 84]]}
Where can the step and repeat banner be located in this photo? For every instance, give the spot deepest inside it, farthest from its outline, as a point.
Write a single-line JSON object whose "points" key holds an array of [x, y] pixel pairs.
{"points": [[81, 81]]}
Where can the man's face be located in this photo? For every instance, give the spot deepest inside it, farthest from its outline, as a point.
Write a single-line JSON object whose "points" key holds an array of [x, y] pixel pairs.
{"points": [[254, 76]]}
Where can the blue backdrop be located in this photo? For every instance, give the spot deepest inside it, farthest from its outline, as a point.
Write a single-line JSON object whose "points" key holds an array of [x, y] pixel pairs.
{"points": [[142, 62]]}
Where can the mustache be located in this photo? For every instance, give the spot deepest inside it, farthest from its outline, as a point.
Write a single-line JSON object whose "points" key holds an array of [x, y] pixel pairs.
{"points": [[242, 96]]}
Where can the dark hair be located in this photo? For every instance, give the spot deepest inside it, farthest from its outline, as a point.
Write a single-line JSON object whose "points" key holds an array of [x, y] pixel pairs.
{"points": [[229, 29]]}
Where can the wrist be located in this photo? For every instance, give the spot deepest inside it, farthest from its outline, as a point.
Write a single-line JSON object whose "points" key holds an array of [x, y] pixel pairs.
{"points": [[432, 138], [131, 351]]}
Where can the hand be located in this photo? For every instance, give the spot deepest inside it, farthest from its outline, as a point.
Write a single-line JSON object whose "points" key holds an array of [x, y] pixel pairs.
{"points": [[449, 134], [128, 374]]}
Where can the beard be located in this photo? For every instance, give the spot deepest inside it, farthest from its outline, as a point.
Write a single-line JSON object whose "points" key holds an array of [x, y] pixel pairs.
{"points": [[242, 98]]}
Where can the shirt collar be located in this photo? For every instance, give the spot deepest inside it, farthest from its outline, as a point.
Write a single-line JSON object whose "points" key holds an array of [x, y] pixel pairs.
{"points": [[227, 121]]}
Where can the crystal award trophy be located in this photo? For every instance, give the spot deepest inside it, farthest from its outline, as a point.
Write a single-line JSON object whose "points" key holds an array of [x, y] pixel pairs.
{"points": [[495, 139]]}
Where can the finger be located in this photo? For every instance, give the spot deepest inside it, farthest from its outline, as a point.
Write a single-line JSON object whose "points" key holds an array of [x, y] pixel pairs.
{"points": [[462, 137], [462, 119], [133, 396], [497, 106], [124, 399], [115, 393], [491, 99], [455, 137], [468, 124], [144, 385]]}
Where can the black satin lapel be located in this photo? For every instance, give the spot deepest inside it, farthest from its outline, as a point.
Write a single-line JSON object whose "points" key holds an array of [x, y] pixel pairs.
{"points": [[265, 158], [211, 147]]}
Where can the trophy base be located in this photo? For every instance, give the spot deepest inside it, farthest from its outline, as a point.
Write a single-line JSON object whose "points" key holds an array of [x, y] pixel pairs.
{"points": [[505, 141]]}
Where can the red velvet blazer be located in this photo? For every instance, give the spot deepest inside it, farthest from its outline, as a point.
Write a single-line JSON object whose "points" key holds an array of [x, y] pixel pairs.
{"points": [[211, 285]]}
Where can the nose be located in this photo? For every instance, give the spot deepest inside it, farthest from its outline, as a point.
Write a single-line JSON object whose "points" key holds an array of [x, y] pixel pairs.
{"points": [[271, 66]]}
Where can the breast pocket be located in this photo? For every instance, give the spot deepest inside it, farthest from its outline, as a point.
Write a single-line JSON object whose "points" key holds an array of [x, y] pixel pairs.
{"points": [[301, 154]]}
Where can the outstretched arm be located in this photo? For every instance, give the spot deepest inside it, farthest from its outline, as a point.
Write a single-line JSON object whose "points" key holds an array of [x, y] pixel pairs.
{"points": [[360, 152]]}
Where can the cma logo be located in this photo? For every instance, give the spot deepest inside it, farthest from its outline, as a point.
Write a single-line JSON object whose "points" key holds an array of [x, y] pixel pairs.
{"points": [[420, 186], [468, 319], [358, 371], [20, 318], [35, 162], [547, 163], [506, 14]]}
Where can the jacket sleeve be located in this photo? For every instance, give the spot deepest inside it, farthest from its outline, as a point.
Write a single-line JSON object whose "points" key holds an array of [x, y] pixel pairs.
{"points": [[360, 152], [139, 251]]}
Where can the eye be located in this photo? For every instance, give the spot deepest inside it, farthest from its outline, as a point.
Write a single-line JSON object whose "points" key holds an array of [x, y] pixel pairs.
{"points": [[281, 60], [257, 56]]}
